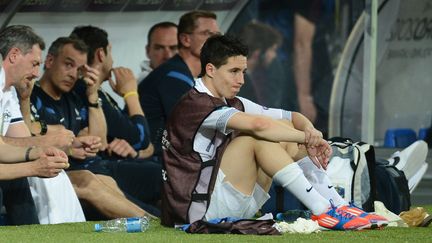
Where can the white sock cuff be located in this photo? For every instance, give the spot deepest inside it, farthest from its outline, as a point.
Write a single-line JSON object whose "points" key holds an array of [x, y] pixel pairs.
{"points": [[307, 164], [287, 174]]}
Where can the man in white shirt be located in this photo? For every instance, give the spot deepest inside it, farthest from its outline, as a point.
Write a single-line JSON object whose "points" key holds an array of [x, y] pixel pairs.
{"points": [[221, 164], [21, 49]]}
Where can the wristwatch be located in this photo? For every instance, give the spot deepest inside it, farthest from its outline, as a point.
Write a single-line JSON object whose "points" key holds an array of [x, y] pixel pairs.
{"points": [[96, 105], [44, 128]]}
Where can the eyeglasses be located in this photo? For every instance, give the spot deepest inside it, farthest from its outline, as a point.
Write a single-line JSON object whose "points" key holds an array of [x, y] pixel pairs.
{"points": [[207, 33]]}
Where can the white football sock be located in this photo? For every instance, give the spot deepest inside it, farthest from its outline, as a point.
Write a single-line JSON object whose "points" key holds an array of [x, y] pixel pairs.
{"points": [[291, 177], [320, 180]]}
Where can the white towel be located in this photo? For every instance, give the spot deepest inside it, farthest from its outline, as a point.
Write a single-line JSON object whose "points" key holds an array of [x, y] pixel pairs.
{"points": [[301, 225], [55, 199]]}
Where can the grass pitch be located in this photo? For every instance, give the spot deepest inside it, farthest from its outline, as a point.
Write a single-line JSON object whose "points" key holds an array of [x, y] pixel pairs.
{"points": [[84, 232]]}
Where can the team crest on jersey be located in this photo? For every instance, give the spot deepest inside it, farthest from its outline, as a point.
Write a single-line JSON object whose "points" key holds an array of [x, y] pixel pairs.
{"points": [[33, 109], [4, 118], [78, 117], [165, 143], [34, 113], [164, 175]]}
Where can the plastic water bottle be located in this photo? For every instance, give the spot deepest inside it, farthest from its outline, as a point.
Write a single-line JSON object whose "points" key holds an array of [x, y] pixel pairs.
{"points": [[135, 224], [292, 215]]}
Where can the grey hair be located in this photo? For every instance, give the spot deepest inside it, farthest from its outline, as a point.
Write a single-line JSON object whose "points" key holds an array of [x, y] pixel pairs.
{"points": [[20, 36]]}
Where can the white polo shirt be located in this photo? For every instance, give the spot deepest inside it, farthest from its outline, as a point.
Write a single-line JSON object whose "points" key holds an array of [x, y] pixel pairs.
{"points": [[212, 131], [10, 112]]}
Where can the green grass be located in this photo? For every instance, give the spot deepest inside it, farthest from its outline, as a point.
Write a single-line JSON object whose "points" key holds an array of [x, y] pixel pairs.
{"points": [[83, 232]]}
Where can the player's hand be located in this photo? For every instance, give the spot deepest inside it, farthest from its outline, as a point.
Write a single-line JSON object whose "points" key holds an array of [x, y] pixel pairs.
{"points": [[122, 148], [320, 154], [125, 81]]}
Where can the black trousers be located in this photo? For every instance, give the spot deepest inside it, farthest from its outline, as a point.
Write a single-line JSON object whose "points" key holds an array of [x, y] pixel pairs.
{"points": [[18, 201], [140, 180]]}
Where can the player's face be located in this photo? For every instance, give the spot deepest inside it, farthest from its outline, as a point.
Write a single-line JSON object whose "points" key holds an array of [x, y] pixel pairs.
{"points": [[28, 65], [162, 46], [206, 27], [228, 78], [270, 55], [107, 64], [64, 68]]}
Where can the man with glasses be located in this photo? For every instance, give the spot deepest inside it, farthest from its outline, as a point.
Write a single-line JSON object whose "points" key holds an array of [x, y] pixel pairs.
{"points": [[164, 86]]}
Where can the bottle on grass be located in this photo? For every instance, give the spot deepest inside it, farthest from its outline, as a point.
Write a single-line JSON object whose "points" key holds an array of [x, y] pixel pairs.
{"points": [[134, 224]]}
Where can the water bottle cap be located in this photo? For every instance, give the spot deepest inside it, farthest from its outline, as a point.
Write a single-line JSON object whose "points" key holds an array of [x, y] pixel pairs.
{"points": [[98, 227], [279, 216]]}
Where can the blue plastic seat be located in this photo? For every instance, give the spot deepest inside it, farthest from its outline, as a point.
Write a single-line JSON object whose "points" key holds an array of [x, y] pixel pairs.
{"points": [[399, 137], [423, 133]]}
